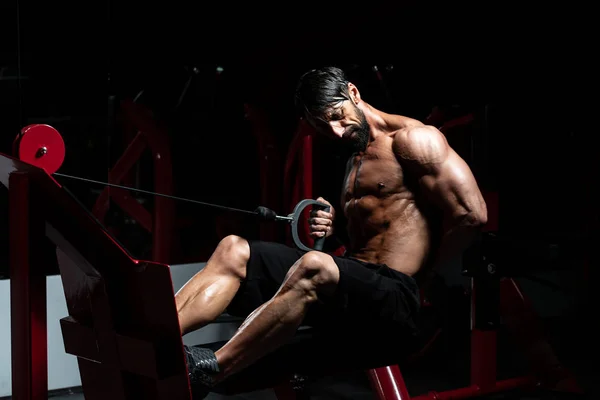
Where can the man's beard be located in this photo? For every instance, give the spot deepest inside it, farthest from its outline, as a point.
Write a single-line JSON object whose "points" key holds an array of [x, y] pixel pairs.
{"points": [[358, 139]]}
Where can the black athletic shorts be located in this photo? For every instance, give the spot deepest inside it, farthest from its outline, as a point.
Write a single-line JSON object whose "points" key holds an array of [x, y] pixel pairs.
{"points": [[369, 322], [368, 296]]}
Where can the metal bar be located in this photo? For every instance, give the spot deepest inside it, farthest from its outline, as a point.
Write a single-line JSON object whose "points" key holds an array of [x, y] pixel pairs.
{"points": [[27, 294], [475, 391], [388, 383]]}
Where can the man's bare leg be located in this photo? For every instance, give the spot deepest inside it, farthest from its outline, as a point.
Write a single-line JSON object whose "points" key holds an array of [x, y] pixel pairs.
{"points": [[204, 297], [276, 321]]}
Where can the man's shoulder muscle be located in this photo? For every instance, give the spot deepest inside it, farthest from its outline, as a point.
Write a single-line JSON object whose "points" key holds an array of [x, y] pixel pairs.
{"points": [[422, 145]]}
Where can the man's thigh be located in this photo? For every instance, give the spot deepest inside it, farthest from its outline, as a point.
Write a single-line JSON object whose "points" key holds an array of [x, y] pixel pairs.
{"points": [[369, 294]]}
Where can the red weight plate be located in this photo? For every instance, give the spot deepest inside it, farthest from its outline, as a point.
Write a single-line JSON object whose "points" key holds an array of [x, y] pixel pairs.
{"points": [[17, 141], [40, 145]]}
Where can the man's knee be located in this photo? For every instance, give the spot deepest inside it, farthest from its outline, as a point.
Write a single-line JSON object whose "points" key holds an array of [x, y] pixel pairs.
{"points": [[232, 254], [316, 273]]}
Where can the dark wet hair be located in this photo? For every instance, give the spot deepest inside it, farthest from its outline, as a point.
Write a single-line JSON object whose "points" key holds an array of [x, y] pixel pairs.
{"points": [[318, 90]]}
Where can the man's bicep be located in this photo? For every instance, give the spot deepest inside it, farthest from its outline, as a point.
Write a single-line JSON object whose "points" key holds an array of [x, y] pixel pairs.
{"points": [[444, 177], [451, 185]]}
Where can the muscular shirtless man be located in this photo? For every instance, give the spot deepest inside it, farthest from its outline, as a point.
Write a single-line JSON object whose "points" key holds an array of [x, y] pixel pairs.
{"points": [[410, 202]]}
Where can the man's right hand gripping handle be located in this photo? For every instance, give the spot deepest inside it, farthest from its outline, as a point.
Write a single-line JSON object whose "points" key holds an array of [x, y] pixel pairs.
{"points": [[321, 221]]}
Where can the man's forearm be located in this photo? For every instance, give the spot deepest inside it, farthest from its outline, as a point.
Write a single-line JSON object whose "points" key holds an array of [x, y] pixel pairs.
{"points": [[456, 239]]}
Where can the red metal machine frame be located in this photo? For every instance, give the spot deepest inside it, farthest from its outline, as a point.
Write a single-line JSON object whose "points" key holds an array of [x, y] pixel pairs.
{"points": [[122, 324], [521, 321], [150, 136], [27, 294]]}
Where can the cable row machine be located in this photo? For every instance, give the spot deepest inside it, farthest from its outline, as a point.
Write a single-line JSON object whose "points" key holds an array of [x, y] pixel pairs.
{"points": [[122, 322]]}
